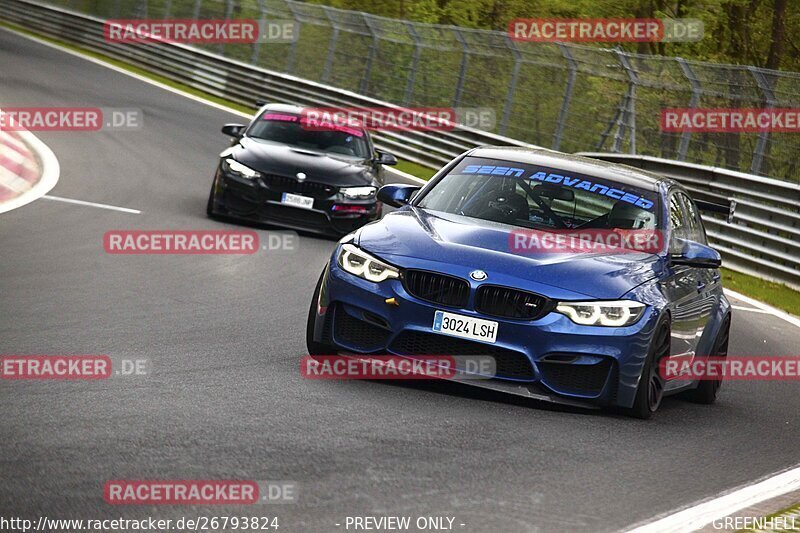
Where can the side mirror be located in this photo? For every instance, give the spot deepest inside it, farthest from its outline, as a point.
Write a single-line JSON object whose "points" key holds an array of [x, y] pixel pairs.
{"points": [[260, 103], [233, 130], [396, 195], [385, 158], [697, 255]]}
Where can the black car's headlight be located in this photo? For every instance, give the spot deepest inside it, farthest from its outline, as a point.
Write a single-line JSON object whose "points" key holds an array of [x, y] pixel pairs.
{"points": [[243, 171], [617, 313], [359, 193], [359, 263]]}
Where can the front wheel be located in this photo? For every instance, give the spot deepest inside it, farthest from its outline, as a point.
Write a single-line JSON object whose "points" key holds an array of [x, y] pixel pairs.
{"points": [[316, 348], [210, 204], [650, 391], [706, 392]]}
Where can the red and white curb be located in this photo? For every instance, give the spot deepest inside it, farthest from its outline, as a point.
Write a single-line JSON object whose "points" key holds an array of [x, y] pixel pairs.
{"points": [[19, 168], [28, 169]]}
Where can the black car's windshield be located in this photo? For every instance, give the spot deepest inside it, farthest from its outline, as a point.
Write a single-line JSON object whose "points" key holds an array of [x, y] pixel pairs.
{"points": [[285, 128], [531, 196]]}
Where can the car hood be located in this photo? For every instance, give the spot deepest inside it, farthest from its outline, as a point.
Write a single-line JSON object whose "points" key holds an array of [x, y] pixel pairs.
{"points": [[458, 240], [285, 160]]}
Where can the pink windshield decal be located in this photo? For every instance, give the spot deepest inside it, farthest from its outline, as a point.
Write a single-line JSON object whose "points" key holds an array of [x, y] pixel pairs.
{"points": [[325, 125], [282, 118]]}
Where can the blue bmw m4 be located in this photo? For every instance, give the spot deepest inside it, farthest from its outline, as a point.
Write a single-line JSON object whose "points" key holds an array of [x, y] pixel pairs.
{"points": [[450, 272]]}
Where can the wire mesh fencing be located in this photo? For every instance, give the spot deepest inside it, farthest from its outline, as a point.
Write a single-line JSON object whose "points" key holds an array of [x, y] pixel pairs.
{"points": [[563, 96]]}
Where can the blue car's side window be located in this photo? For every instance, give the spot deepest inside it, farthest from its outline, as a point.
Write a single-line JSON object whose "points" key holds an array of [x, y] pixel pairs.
{"points": [[685, 221], [677, 222], [696, 230]]}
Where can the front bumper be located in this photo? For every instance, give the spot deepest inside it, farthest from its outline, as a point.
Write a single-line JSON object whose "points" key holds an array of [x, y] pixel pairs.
{"points": [[259, 201], [550, 358]]}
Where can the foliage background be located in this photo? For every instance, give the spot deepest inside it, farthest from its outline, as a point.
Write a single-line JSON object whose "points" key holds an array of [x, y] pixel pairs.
{"points": [[763, 33]]}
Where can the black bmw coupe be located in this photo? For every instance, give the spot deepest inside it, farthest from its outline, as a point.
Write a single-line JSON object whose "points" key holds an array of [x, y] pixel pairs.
{"points": [[280, 171]]}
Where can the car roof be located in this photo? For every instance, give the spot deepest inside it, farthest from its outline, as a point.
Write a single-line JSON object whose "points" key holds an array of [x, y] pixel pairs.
{"points": [[297, 110], [622, 174], [285, 108]]}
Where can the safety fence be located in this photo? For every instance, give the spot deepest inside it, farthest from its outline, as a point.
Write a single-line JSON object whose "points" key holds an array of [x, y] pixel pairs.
{"points": [[562, 96]]}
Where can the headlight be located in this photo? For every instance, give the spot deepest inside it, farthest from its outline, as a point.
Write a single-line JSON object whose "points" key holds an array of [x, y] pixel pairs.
{"points": [[361, 264], [348, 238], [234, 167], [614, 314], [359, 193]]}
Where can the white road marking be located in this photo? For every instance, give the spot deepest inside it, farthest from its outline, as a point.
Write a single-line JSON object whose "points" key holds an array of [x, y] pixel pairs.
{"points": [[684, 336], [706, 512], [92, 204], [751, 309], [697, 516], [795, 321]]}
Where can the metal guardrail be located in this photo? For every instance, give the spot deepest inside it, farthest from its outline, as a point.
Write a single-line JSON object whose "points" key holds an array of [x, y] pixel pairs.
{"points": [[764, 239], [564, 96], [237, 81]]}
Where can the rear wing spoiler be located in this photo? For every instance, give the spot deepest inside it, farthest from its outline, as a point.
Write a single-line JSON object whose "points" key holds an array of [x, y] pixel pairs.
{"points": [[725, 207]]}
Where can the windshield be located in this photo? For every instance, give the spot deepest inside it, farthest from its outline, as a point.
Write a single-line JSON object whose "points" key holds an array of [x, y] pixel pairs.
{"points": [[291, 130], [536, 197]]}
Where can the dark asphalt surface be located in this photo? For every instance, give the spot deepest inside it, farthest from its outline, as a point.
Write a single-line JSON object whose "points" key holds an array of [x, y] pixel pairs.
{"points": [[224, 334]]}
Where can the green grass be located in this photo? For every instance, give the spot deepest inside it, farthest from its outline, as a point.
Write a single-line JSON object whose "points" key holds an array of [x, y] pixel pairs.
{"points": [[775, 294], [410, 167], [415, 169], [784, 512]]}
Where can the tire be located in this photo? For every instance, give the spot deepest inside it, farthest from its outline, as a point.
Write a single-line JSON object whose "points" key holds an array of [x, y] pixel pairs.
{"points": [[706, 392], [210, 204], [316, 348], [650, 391]]}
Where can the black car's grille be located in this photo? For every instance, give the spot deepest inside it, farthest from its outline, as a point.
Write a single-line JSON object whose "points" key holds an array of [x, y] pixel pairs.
{"points": [[309, 188], [291, 215], [436, 288], [510, 303], [574, 378], [509, 364], [346, 225], [358, 333]]}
